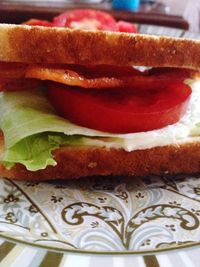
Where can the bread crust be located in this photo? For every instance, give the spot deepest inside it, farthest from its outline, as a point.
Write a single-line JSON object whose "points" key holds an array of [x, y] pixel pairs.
{"points": [[35, 44], [77, 162]]}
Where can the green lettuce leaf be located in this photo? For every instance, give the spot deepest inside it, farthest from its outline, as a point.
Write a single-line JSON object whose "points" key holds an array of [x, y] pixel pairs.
{"points": [[35, 152], [196, 130], [32, 130]]}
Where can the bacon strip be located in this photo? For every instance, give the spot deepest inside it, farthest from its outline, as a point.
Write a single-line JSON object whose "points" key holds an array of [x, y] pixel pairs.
{"points": [[105, 77], [101, 77], [93, 77], [10, 70], [19, 84]]}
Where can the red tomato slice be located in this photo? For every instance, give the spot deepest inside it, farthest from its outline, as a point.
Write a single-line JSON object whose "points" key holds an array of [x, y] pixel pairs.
{"points": [[86, 19], [121, 111], [38, 22], [124, 26]]}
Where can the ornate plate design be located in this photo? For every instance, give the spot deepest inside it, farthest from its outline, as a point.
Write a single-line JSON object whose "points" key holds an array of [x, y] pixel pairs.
{"points": [[115, 216], [152, 221]]}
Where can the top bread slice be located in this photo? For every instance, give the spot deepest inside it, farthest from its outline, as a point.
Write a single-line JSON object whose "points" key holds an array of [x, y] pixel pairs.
{"points": [[35, 44]]}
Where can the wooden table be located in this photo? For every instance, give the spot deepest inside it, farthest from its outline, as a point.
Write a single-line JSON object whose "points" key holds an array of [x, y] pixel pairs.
{"points": [[17, 11]]}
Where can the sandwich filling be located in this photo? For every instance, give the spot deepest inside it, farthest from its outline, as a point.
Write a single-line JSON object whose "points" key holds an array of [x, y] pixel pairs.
{"points": [[46, 107], [33, 129]]}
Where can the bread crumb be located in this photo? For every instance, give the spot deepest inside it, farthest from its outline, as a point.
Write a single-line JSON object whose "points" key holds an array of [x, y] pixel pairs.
{"points": [[92, 165]]}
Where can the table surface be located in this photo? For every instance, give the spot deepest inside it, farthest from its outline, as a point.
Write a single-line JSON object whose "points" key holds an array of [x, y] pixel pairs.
{"points": [[17, 11]]}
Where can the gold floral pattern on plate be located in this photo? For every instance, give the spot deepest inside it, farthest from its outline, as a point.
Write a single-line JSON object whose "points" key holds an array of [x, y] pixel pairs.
{"points": [[103, 214]]}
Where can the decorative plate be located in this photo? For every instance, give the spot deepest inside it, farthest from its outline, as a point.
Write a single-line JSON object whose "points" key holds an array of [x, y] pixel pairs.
{"points": [[152, 221]]}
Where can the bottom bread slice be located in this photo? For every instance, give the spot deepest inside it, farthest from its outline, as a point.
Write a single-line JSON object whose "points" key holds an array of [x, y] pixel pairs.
{"points": [[76, 162]]}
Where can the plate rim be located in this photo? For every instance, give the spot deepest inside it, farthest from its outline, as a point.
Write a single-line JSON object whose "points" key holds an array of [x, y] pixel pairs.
{"points": [[104, 253]]}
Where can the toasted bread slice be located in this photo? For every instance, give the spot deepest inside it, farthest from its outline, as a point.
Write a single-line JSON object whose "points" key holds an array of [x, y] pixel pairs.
{"points": [[35, 44], [77, 162]]}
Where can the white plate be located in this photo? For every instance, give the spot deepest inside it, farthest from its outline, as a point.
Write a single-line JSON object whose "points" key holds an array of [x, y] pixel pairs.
{"points": [[114, 220]]}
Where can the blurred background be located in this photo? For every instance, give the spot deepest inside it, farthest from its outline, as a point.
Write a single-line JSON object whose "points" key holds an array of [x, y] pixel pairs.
{"points": [[184, 14], [189, 9]]}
